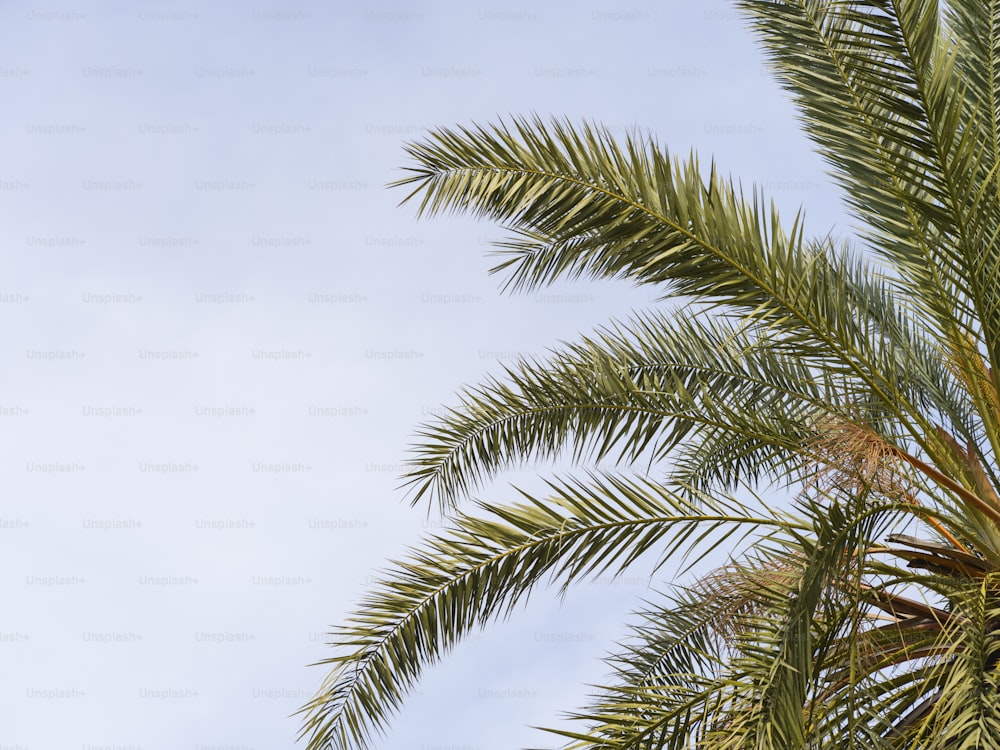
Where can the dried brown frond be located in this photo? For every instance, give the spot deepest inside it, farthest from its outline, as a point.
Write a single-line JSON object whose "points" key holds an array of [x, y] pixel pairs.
{"points": [[847, 455], [747, 592], [850, 456]]}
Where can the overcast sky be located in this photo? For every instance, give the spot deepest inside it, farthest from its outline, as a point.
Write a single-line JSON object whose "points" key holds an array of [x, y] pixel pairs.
{"points": [[219, 333]]}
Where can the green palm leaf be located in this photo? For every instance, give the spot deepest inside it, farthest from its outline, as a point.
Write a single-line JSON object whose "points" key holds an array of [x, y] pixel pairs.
{"points": [[635, 389], [482, 567]]}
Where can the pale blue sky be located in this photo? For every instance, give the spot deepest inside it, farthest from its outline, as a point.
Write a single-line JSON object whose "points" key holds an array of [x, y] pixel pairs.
{"points": [[219, 333]]}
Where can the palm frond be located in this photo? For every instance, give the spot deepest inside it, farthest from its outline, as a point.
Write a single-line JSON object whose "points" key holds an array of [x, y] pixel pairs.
{"points": [[637, 389], [482, 567], [967, 712], [632, 212], [629, 212], [871, 80]]}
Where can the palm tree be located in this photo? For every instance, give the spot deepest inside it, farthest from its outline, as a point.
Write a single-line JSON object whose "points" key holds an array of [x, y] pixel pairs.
{"points": [[857, 382]]}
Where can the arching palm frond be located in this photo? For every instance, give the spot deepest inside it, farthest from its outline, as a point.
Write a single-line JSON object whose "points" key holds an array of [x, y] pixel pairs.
{"points": [[483, 566], [637, 388]]}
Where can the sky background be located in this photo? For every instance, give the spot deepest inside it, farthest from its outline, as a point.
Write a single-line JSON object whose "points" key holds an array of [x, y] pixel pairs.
{"points": [[219, 333]]}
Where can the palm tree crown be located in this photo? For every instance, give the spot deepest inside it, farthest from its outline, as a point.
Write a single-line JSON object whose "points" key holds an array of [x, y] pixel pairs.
{"points": [[861, 379]]}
